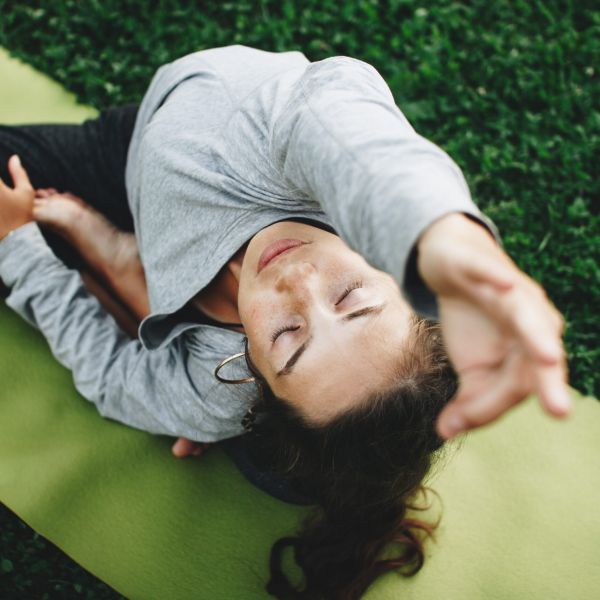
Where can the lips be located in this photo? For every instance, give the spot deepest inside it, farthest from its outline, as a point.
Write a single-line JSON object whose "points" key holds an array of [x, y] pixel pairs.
{"points": [[276, 249]]}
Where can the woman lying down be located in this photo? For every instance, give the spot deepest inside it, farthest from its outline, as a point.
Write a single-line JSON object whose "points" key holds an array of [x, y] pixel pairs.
{"points": [[308, 266]]}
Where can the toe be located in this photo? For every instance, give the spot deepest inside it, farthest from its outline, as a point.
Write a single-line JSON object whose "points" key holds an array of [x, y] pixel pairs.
{"points": [[45, 192], [56, 212]]}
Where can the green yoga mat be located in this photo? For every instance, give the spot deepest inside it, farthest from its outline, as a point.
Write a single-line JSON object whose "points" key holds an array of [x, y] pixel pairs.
{"points": [[521, 509]]}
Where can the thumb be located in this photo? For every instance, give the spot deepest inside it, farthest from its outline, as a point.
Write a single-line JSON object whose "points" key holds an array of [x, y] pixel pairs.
{"points": [[18, 173]]}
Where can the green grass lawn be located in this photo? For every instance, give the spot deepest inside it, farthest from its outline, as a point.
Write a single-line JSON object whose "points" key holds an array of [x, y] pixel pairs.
{"points": [[509, 89]]}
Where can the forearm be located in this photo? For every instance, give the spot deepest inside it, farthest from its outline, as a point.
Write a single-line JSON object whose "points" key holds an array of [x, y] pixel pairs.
{"points": [[343, 142], [81, 335], [452, 243], [170, 390], [122, 314], [53, 299]]}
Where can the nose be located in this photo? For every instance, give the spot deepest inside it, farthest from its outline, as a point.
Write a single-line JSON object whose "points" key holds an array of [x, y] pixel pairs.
{"points": [[296, 278]]}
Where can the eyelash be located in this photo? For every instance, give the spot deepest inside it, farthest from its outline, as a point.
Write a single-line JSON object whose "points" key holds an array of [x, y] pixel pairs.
{"points": [[353, 286]]}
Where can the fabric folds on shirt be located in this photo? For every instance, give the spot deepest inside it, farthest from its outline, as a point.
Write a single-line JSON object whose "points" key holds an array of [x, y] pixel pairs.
{"points": [[228, 141]]}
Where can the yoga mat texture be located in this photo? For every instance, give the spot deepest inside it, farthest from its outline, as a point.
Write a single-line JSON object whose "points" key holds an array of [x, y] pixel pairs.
{"points": [[520, 517]]}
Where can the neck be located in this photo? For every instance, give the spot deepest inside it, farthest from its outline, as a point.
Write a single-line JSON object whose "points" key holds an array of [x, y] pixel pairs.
{"points": [[234, 265], [219, 299]]}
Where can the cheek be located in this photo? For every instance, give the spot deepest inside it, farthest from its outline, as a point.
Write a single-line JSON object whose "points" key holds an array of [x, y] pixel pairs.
{"points": [[259, 324], [258, 313]]}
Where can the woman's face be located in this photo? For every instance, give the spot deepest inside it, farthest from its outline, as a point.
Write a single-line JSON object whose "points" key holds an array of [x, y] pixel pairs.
{"points": [[324, 327]]}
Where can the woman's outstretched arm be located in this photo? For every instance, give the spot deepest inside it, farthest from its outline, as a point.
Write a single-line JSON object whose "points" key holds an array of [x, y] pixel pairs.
{"points": [[113, 258], [391, 193], [503, 334], [164, 391]]}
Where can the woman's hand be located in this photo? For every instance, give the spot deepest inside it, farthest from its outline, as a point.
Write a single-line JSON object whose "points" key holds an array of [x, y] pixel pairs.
{"points": [[502, 333], [15, 203]]}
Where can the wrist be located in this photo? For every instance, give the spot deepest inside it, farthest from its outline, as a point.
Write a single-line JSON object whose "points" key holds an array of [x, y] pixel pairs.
{"points": [[450, 241], [455, 224]]}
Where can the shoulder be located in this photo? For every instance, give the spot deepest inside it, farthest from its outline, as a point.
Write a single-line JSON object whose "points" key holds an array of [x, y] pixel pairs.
{"points": [[341, 73], [237, 68]]}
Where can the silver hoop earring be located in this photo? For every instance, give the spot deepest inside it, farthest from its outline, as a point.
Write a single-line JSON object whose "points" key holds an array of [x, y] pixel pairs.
{"points": [[228, 360]]}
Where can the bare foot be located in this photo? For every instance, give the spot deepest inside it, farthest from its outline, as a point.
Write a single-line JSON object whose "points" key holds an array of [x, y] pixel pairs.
{"points": [[112, 253], [104, 247]]}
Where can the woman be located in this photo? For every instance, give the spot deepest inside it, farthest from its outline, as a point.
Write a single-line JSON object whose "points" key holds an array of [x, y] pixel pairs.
{"points": [[249, 149]]}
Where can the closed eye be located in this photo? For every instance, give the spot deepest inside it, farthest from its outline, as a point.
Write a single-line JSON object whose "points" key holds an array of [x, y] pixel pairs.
{"points": [[361, 312], [353, 286], [282, 330]]}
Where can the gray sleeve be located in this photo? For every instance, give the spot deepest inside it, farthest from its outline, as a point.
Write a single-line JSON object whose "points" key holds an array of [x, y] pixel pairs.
{"points": [[343, 142], [163, 391]]}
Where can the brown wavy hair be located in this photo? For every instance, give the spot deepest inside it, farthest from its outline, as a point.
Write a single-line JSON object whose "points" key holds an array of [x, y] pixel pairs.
{"points": [[362, 470]]}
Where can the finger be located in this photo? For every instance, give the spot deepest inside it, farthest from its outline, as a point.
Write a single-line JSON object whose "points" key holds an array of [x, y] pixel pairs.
{"points": [[552, 389], [535, 326], [469, 410], [18, 173], [527, 314]]}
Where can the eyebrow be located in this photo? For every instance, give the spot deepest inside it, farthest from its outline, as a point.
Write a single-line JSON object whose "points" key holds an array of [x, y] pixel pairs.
{"points": [[361, 312]]}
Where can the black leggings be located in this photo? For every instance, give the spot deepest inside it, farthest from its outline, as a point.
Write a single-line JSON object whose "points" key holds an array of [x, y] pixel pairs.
{"points": [[89, 160]]}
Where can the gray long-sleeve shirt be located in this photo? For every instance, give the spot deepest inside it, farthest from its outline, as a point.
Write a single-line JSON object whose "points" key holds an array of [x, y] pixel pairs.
{"points": [[226, 142]]}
